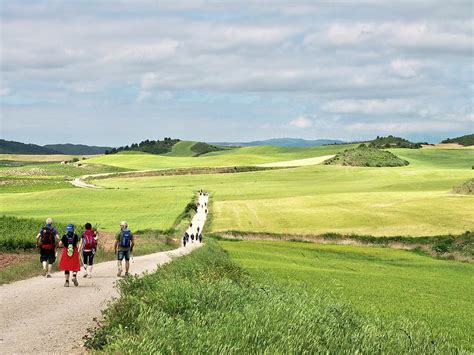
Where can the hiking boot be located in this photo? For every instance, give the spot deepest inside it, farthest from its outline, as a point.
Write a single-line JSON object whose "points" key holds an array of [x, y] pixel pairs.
{"points": [[127, 274], [119, 273], [66, 284], [74, 280], [85, 275], [49, 276], [45, 272]]}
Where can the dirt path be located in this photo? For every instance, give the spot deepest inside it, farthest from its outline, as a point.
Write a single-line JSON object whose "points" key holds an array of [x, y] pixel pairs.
{"points": [[40, 315], [79, 183]]}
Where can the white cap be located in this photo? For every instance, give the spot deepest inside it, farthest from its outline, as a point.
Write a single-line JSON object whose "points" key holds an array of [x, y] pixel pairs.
{"points": [[49, 220], [124, 223]]}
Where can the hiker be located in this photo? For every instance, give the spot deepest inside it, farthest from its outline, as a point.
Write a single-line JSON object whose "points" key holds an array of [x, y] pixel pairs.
{"points": [[198, 228], [192, 237], [47, 240], [184, 240], [70, 256], [89, 248], [200, 237], [123, 246]]}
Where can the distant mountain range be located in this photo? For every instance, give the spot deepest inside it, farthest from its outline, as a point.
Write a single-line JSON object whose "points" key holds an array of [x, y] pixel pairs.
{"points": [[12, 147], [283, 142]]}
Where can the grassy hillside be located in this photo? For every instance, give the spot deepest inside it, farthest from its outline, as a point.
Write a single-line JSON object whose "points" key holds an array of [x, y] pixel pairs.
{"points": [[191, 149], [378, 282], [366, 156], [412, 200], [205, 303], [320, 199], [182, 149], [30, 176], [230, 157], [466, 140]]}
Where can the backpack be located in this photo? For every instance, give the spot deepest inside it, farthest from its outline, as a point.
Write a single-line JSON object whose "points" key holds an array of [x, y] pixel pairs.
{"points": [[70, 243], [90, 243], [125, 239], [47, 239]]}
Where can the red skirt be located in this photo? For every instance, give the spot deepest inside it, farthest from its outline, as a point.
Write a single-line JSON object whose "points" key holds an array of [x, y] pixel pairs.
{"points": [[70, 263]]}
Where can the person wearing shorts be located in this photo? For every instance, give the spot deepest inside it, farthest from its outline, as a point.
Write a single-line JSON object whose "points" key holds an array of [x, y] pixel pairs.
{"points": [[47, 240], [123, 246]]}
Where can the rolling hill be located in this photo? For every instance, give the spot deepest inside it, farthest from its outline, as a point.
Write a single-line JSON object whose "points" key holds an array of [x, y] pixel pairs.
{"points": [[366, 156], [13, 147], [466, 140], [191, 149], [77, 149]]}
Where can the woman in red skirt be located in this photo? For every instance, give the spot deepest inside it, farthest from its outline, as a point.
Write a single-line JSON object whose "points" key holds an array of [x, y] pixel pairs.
{"points": [[70, 256]]}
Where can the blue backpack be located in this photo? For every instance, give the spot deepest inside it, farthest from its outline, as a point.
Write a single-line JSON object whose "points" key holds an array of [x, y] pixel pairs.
{"points": [[126, 237]]}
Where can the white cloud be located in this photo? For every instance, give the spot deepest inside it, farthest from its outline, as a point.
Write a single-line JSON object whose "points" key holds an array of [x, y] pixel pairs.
{"points": [[4, 91], [221, 59], [301, 122], [370, 107], [405, 68], [405, 127], [143, 54]]}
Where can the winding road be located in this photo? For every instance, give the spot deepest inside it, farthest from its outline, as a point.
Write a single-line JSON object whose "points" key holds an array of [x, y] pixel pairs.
{"points": [[40, 315]]}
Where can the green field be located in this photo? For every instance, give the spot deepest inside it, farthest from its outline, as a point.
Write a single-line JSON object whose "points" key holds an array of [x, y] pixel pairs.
{"points": [[293, 298], [342, 298], [376, 281], [229, 157], [182, 149], [413, 200]]}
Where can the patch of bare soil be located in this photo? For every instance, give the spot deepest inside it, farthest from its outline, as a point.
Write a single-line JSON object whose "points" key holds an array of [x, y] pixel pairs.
{"points": [[9, 259], [447, 146], [106, 241]]}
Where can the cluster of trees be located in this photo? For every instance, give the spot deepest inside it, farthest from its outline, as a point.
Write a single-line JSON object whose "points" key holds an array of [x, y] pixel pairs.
{"points": [[148, 146], [393, 142], [466, 140]]}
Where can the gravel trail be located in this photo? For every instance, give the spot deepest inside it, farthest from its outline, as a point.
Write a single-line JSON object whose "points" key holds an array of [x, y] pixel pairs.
{"points": [[40, 315]]}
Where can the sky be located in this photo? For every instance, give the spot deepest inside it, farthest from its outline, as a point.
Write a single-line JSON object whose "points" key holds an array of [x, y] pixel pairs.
{"points": [[117, 72]]}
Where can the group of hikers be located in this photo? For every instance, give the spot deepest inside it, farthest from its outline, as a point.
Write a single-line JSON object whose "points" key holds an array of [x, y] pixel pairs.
{"points": [[186, 236], [189, 234], [74, 247], [84, 247]]}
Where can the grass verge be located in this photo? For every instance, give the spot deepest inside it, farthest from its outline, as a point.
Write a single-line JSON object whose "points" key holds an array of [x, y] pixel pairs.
{"points": [[453, 247], [205, 303]]}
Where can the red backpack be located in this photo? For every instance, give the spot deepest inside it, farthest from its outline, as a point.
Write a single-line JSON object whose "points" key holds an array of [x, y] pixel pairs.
{"points": [[47, 239], [90, 242]]}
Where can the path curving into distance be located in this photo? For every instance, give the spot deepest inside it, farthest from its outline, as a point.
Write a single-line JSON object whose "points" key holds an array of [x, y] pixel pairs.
{"points": [[78, 182], [40, 315]]}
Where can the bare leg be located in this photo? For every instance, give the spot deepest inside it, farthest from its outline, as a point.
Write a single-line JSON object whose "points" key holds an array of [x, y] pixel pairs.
{"points": [[119, 264]]}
